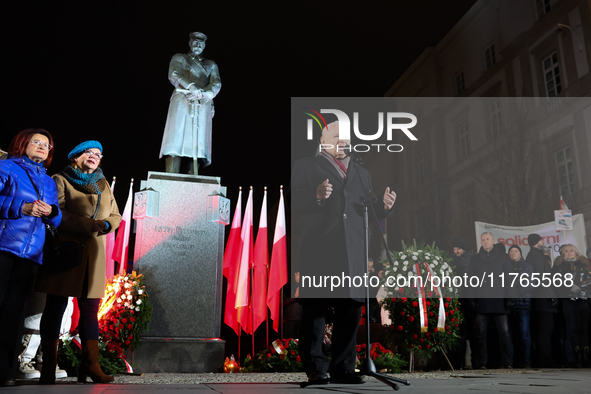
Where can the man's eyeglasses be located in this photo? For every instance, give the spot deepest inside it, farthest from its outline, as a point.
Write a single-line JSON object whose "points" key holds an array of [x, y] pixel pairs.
{"points": [[91, 153], [41, 144]]}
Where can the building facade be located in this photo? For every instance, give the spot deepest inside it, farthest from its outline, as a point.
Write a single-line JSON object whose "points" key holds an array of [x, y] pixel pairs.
{"points": [[504, 119]]}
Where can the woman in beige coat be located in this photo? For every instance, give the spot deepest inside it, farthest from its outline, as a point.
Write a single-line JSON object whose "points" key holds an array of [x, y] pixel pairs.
{"points": [[89, 212]]}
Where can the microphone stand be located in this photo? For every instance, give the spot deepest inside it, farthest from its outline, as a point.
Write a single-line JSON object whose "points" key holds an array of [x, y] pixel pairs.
{"points": [[368, 367]]}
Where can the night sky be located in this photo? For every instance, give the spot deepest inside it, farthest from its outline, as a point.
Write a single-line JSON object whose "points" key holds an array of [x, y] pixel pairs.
{"points": [[100, 72]]}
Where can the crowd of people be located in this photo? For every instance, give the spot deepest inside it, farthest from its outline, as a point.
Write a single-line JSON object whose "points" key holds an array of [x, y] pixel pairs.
{"points": [[536, 324], [78, 201]]}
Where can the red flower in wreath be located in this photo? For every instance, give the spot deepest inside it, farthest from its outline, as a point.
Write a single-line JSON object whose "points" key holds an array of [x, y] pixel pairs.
{"points": [[402, 313], [415, 304], [298, 359], [411, 318], [400, 328]]}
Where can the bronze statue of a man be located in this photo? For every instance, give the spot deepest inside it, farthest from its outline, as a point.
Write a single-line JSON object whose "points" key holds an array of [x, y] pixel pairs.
{"points": [[188, 125]]}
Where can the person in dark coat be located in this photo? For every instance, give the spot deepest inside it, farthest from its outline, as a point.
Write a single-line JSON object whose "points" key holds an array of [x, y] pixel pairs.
{"points": [[545, 303], [466, 352], [489, 299], [574, 296], [327, 191], [519, 320]]}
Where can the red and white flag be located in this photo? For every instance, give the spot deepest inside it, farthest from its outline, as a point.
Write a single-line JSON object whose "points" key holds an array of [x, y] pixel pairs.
{"points": [[122, 240], [230, 268], [563, 206], [110, 241], [246, 259], [261, 262], [278, 269]]}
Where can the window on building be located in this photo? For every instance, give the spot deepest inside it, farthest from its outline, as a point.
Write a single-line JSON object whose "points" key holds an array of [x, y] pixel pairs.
{"points": [[459, 82], [552, 75], [494, 116], [500, 200], [463, 140], [421, 167], [542, 7], [566, 171], [489, 56]]}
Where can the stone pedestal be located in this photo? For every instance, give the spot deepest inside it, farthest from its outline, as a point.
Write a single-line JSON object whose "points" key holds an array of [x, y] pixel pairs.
{"points": [[180, 254]]}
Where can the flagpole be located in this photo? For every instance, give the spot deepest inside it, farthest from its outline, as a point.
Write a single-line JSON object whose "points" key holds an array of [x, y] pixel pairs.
{"points": [[281, 313], [252, 306], [266, 310], [267, 313], [281, 300]]}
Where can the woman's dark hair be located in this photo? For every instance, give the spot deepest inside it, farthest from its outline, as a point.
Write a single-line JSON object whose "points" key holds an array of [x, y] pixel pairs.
{"points": [[18, 145]]}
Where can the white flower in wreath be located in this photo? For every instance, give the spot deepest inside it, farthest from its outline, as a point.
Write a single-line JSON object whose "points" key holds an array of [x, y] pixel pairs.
{"points": [[405, 263], [396, 263], [405, 268], [432, 265], [414, 257], [127, 285], [123, 296], [427, 254], [395, 269], [119, 300], [435, 262], [127, 305], [403, 256], [420, 251], [387, 272], [415, 253], [130, 297], [137, 309], [139, 302], [140, 292]]}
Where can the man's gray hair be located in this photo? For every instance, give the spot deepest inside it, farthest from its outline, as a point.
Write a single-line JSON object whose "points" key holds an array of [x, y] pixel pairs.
{"points": [[487, 232]]}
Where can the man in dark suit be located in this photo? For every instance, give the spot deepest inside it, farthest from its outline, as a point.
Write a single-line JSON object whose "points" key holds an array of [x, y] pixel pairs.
{"points": [[544, 302], [491, 301], [328, 191]]}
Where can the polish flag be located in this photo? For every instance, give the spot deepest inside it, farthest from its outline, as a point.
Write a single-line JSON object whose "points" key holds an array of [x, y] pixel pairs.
{"points": [[278, 272], [122, 239], [110, 241], [246, 259], [261, 262], [230, 268], [563, 206]]}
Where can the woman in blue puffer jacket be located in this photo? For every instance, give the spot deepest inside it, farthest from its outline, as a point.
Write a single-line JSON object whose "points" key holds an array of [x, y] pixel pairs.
{"points": [[28, 200]]}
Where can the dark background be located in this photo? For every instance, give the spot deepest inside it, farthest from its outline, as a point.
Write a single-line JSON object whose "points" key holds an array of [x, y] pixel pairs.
{"points": [[99, 71]]}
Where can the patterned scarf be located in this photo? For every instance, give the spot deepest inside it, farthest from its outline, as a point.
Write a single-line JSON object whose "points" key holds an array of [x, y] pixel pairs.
{"points": [[92, 183], [340, 165]]}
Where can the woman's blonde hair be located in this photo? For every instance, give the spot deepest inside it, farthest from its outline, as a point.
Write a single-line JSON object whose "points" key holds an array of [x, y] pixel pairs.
{"points": [[570, 246]]}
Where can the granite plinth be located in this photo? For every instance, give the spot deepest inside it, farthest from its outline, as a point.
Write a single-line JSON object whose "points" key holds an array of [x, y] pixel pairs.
{"points": [[181, 355], [180, 254]]}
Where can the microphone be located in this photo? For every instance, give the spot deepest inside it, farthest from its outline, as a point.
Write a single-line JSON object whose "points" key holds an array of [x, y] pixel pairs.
{"points": [[349, 152]]}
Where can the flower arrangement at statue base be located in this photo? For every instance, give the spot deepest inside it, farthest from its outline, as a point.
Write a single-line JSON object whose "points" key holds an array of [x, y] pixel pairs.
{"points": [[69, 356], [124, 312], [384, 360], [425, 317], [282, 356]]}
